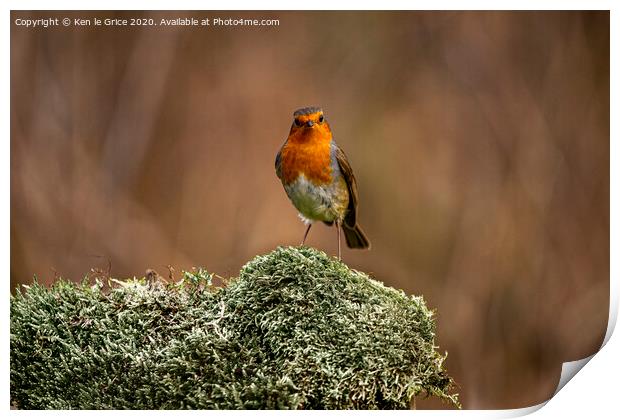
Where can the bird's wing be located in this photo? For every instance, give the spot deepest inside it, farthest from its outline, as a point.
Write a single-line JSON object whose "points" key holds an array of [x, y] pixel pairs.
{"points": [[279, 164], [347, 172]]}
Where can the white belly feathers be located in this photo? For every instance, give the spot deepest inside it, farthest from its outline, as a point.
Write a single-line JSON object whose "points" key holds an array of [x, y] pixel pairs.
{"points": [[322, 203]]}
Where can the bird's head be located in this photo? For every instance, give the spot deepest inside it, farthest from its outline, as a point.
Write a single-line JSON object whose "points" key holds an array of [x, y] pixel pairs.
{"points": [[310, 124]]}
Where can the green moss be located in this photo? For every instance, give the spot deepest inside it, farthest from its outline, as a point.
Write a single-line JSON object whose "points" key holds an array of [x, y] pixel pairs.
{"points": [[296, 329]]}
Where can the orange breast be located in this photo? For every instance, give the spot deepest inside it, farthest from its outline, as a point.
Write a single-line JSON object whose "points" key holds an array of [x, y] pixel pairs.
{"points": [[312, 158]]}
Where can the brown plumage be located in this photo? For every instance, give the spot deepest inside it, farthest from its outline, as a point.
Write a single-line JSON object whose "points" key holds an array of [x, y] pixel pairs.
{"points": [[353, 233]]}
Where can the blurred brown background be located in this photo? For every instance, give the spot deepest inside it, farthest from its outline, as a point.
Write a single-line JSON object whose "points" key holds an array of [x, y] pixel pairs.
{"points": [[480, 142]]}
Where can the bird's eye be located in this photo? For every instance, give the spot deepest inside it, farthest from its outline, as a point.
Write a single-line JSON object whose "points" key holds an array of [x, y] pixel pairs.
{"points": [[321, 118], [297, 122]]}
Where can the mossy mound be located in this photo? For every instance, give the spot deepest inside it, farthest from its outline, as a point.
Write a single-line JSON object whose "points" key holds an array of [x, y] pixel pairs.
{"points": [[296, 329]]}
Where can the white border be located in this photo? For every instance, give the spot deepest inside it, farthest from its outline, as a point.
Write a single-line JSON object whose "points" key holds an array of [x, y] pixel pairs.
{"points": [[313, 5], [592, 394]]}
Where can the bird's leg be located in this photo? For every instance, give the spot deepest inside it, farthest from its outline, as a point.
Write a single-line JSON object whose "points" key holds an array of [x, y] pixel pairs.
{"points": [[338, 233], [306, 234]]}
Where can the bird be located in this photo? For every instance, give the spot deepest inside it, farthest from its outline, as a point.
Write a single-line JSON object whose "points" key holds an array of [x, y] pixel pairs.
{"points": [[318, 178]]}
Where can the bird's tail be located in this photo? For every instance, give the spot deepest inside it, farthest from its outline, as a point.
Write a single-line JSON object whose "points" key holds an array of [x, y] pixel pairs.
{"points": [[355, 236]]}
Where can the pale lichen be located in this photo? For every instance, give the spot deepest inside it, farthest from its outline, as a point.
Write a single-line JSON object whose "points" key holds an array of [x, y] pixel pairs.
{"points": [[296, 329]]}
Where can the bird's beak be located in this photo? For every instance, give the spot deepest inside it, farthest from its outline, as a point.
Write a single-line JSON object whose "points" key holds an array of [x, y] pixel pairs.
{"points": [[309, 123]]}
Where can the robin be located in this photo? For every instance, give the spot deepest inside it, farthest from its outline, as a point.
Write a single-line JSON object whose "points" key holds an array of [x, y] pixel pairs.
{"points": [[318, 179]]}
